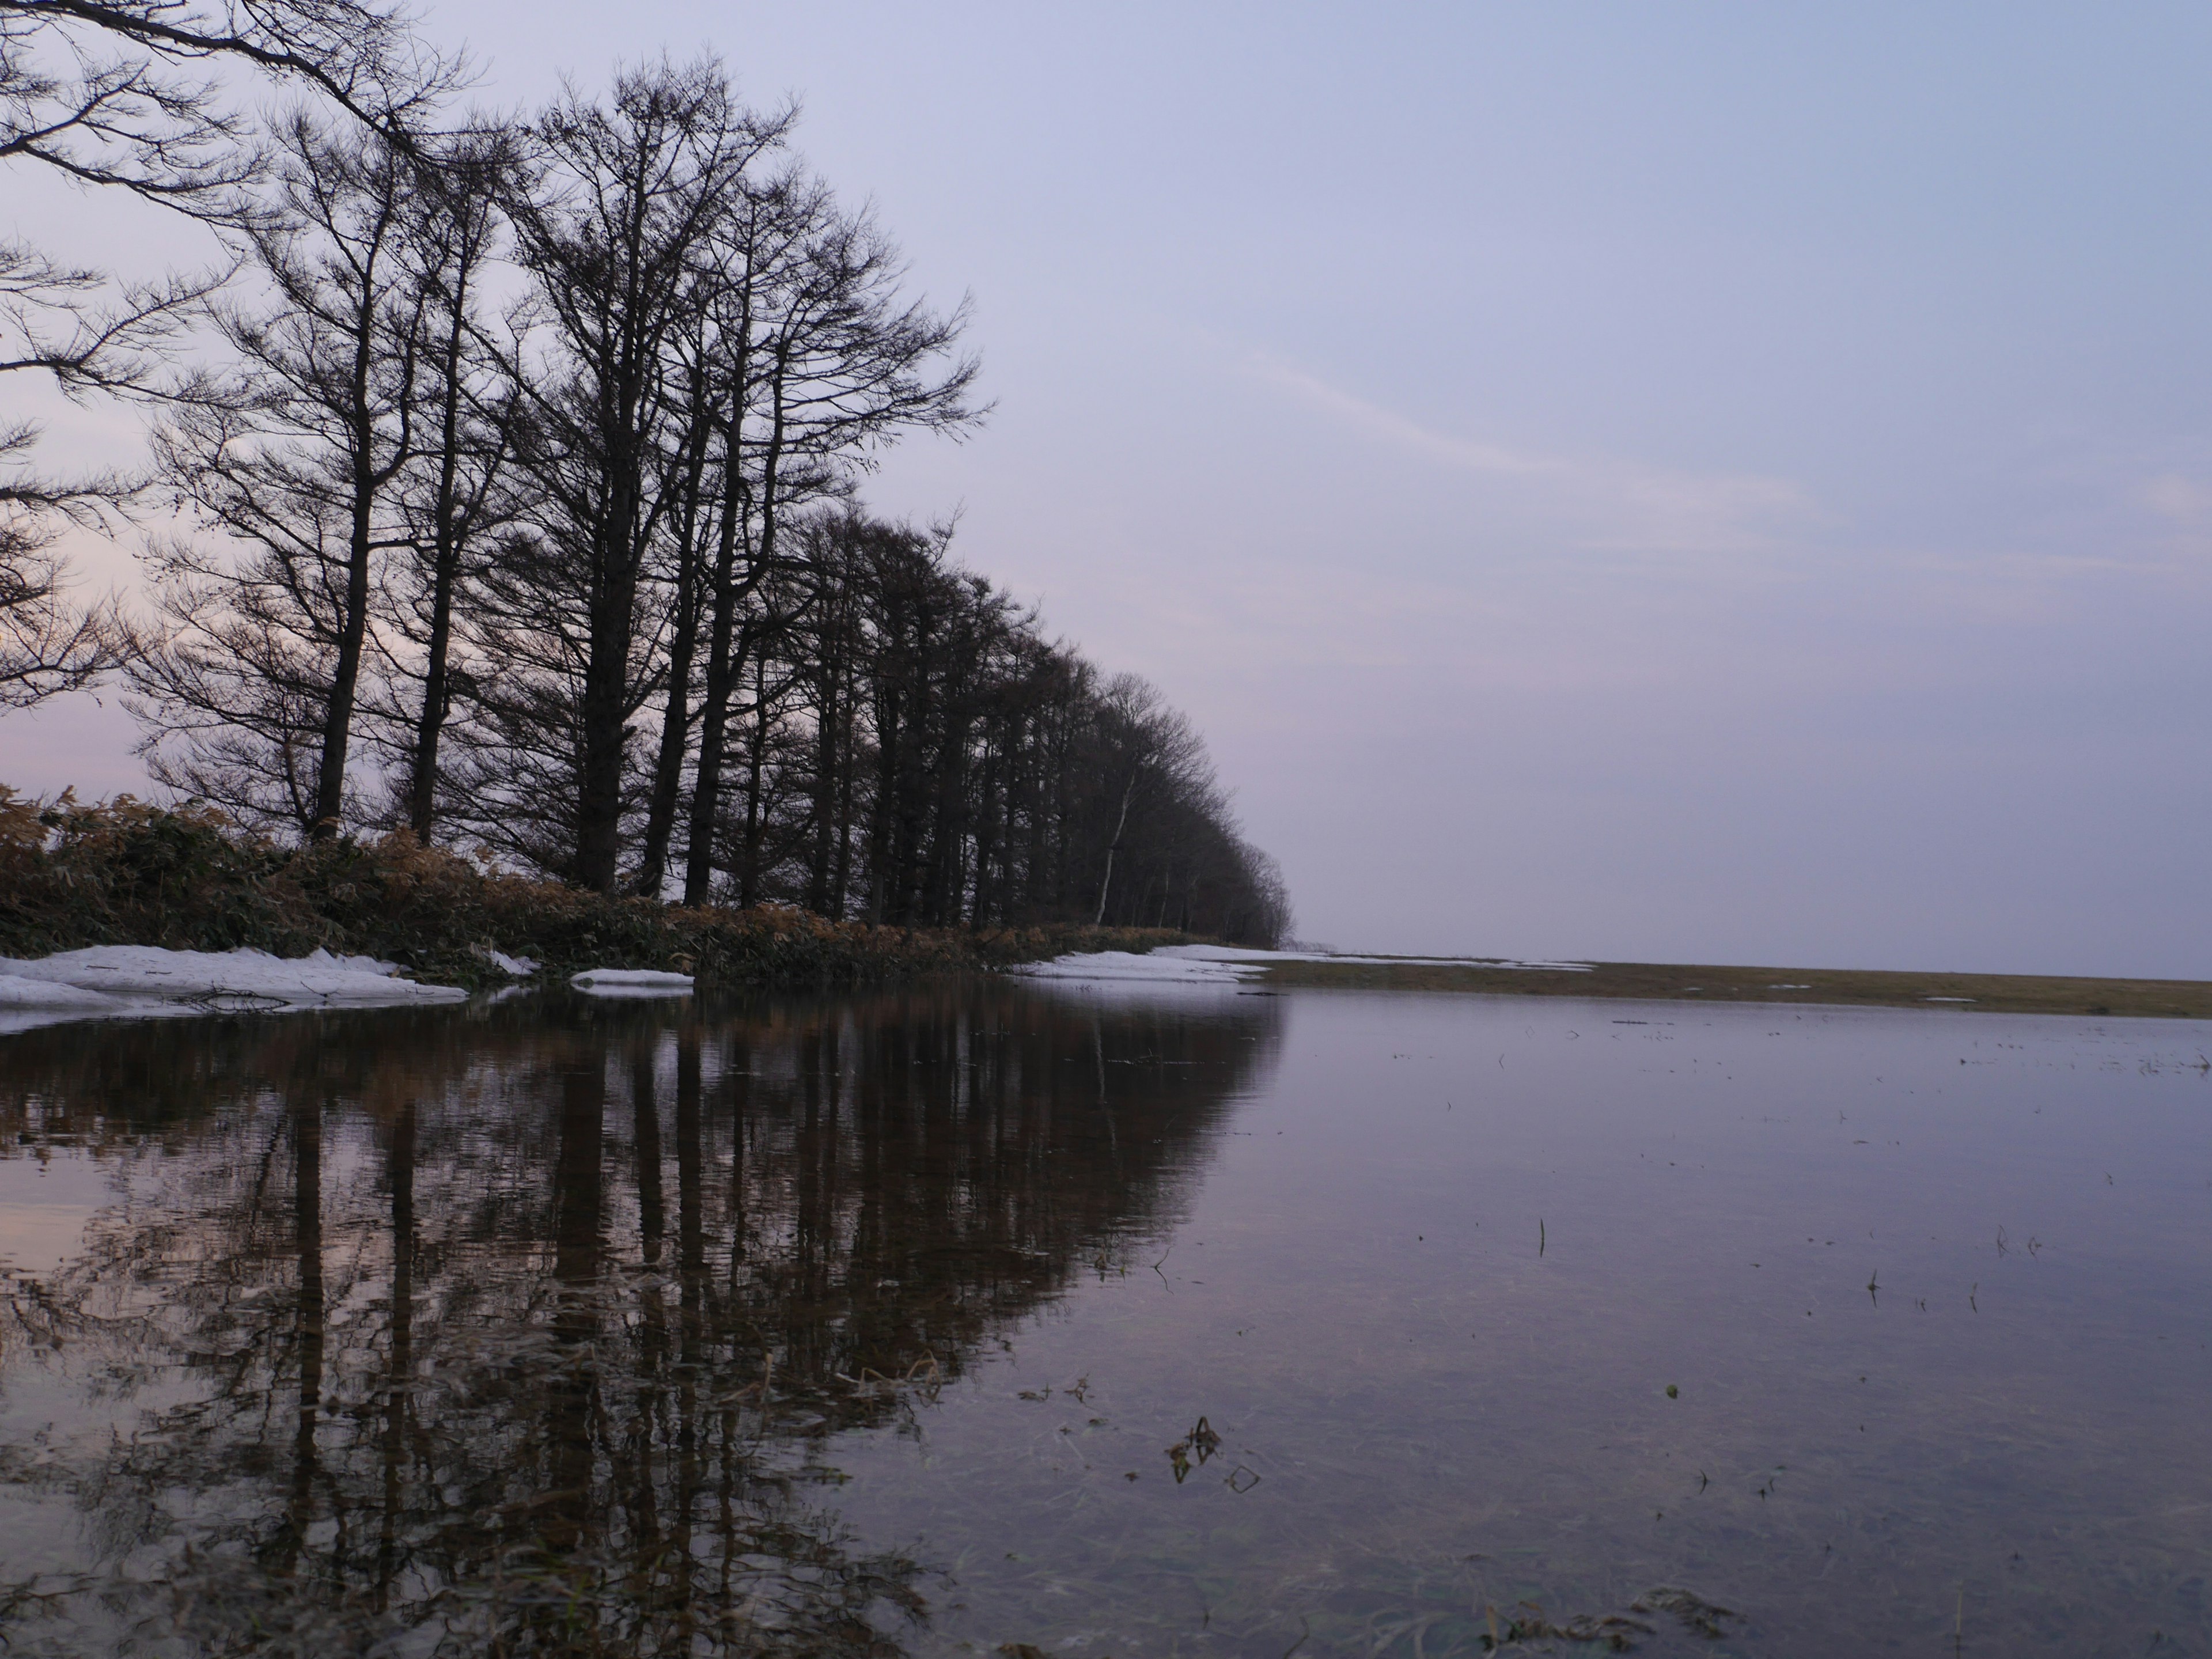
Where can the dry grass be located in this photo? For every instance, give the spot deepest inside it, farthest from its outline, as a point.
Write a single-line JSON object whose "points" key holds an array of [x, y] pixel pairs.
{"points": [[126, 872]]}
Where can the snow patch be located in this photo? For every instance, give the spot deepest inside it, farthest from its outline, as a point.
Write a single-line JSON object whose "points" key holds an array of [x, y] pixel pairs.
{"points": [[1237, 953], [135, 980], [631, 983], [320, 979], [1158, 966], [18, 991], [1229, 965]]}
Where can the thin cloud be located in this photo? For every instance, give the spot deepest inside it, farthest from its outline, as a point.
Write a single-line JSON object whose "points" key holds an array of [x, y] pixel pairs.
{"points": [[2181, 500], [1625, 506]]}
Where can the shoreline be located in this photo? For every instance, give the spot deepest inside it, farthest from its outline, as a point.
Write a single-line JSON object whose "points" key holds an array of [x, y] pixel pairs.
{"points": [[126, 873], [2009, 993]]}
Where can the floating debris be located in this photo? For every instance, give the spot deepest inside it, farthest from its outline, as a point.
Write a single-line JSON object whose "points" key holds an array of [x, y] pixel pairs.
{"points": [[1193, 1449], [1697, 1615], [1527, 1623]]}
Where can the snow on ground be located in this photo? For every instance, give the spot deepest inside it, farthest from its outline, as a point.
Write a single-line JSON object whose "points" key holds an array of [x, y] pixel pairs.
{"points": [[631, 983], [137, 980], [1228, 964], [1159, 965], [143, 980], [140, 980], [1239, 954], [146, 970], [17, 992]]}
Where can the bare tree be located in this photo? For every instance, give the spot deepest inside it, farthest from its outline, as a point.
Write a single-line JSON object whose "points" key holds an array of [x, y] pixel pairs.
{"points": [[48, 644], [455, 494], [585, 570], [291, 461], [831, 363], [129, 95], [91, 339], [1149, 749], [613, 223]]}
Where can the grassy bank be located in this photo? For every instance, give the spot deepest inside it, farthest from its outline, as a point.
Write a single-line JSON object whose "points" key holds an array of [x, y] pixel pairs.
{"points": [[127, 873], [2014, 994]]}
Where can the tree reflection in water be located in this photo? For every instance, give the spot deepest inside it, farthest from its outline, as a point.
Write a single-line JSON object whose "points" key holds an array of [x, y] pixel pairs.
{"points": [[396, 1337]]}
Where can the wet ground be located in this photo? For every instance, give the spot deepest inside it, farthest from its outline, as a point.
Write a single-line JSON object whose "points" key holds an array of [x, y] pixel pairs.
{"points": [[989, 1318]]}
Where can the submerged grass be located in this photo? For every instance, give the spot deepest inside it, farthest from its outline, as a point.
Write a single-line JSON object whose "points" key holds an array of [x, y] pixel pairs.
{"points": [[126, 873], [2011, 994]]}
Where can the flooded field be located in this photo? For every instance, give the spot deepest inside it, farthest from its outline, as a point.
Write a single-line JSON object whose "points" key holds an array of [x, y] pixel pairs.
{"points": [[1000, 1318]]}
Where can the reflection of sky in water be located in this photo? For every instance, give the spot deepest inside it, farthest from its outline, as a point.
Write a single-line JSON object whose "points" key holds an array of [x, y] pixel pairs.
{"points": [[1929, 1288], [1440, 1416], [43, 1203]]}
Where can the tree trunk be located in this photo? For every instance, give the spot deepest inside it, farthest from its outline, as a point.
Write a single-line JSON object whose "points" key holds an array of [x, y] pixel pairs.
{"points": [[675, 725], [749, 871], [841, 894], [825, 789], [706, 788], [606, 686], [345, 676], [722, 672], [445, 554], [1120, 824]]}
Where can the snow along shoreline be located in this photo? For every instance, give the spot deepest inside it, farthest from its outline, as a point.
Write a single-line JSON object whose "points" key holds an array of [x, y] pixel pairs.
{"points": [[125, 982], [145, 981], [142, 982], [1226, 964]]}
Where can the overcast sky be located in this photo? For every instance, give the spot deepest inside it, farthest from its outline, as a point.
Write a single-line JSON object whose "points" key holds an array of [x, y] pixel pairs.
{"points": [[1668, 482]]}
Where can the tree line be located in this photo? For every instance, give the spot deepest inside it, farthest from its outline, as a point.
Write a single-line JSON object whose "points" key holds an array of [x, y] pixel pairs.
{"points": [[504, 489]]}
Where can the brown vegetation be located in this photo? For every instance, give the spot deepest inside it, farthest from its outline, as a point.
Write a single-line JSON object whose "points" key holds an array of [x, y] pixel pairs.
{"points": [[126, 873]]}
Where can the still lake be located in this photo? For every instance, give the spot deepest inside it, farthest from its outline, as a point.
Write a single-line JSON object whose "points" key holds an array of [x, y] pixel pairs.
{"points": [[1156, 1321]]}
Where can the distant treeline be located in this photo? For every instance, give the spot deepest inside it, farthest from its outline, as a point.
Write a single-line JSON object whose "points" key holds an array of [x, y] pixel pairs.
{"points": [[506, 485]]}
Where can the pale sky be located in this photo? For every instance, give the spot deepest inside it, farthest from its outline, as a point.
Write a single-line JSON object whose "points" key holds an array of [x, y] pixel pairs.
{"points": [[1677, 482]]}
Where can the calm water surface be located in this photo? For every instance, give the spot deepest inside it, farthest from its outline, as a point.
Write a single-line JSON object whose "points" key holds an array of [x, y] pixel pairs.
{"points": [[1177, 1323]]}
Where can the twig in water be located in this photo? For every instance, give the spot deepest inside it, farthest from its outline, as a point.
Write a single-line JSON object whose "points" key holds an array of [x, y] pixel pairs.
{"points": [[1539, 1238]]}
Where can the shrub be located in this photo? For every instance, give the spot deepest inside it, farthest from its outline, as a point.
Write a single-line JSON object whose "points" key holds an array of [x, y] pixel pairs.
{"points": [[126, 872]]}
